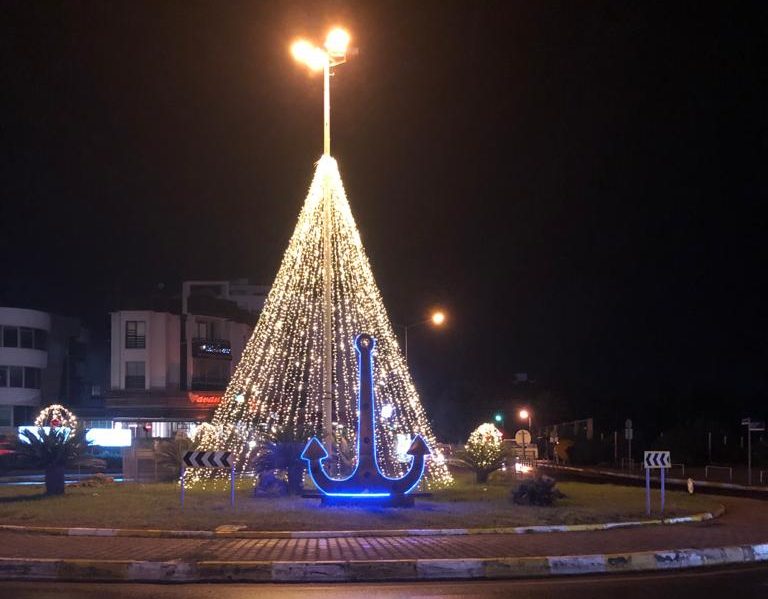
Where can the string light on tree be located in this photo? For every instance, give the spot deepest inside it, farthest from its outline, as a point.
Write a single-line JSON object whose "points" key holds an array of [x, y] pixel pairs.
{"points": [[278, 384], [56, 416]]}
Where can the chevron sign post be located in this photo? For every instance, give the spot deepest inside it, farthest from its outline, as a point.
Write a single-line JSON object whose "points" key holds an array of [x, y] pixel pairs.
{"points": [[209, 459], [657, 459], [651, 460]]}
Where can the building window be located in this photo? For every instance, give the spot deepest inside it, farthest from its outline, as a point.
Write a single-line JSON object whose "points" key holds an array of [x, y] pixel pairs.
{"points": [[31, 378], [23, 415], [15, 376], [134, 375], [41, 339], [3, 376], [10, 337], [209, 374], [203, 330], [135, 334], [6, 416], [26, 338]]}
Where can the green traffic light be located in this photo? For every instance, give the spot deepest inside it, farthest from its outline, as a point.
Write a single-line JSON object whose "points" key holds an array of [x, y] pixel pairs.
{"points": [[498, 417]]}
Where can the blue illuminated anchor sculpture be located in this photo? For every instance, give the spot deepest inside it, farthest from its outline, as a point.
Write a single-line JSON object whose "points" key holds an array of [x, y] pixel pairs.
{"points": [[366, 483]]}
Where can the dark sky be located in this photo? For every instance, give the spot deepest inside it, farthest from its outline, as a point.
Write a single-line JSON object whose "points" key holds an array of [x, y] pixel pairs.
{"points": [[580, 184]]}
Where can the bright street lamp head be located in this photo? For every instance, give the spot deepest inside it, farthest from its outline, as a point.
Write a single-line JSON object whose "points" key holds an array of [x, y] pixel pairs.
{"points": [[438, 318], [337, 42], [312, 56], [523, 414]]}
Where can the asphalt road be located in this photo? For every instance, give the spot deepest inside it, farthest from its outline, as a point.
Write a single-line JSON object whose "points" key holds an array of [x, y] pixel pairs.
{"points": [[742, 582]]}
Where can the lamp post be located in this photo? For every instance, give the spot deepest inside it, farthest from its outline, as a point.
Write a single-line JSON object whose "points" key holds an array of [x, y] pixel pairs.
{"points": [[524, 415], [437, 319], [332, 54]]}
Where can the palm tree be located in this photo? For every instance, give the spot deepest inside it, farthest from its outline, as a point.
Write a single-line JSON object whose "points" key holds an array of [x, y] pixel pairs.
{"points": [[283, 452], [170, 454], [52, 450]]}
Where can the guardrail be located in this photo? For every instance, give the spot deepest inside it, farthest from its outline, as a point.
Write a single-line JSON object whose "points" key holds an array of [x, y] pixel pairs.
{"points": [[728, 468]]}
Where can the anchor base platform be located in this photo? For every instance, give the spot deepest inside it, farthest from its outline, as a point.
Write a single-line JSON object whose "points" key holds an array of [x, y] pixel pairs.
{"points": [[361, 500]]}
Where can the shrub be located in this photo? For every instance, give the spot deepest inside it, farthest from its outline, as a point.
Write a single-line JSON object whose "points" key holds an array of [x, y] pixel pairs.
{"points": [[483, 452], [537, 491]]}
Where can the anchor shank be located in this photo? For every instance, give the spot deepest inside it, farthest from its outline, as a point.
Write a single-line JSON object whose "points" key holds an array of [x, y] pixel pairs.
{"points": [[365, 423]]}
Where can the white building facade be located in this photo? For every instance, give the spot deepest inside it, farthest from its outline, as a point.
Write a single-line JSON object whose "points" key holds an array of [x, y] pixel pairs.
{"points": [[168, 372], [23, 360], [147, 352]]}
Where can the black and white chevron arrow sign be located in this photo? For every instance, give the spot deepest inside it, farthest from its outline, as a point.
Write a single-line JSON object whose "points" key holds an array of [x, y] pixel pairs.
{"points": [[657, 459], [208, 459]]}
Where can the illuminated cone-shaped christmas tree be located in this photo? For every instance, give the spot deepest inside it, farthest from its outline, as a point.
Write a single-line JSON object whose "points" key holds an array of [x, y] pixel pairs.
{"points": [[278, 384]]}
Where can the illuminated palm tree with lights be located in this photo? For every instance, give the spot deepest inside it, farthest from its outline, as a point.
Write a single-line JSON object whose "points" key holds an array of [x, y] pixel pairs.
{"points": [[299, 369]]}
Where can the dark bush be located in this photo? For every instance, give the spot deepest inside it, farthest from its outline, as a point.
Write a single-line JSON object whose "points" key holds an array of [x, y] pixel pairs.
{"points": [[538, 491]]}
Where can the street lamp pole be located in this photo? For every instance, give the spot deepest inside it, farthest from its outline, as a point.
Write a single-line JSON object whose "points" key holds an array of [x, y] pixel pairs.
{"points": [[437, 319], [333, 54], [327, 267]]}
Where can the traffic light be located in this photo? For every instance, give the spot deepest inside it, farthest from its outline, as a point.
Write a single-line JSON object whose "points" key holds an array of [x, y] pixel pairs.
{"points": [[498, 417]]}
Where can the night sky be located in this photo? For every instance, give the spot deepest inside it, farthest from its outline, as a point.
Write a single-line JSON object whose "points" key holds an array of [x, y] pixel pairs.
{"points": [[581, 185]]}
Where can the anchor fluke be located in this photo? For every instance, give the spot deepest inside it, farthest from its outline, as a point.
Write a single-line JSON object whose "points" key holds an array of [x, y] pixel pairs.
{"points": [[314, 450], [418, 447]]}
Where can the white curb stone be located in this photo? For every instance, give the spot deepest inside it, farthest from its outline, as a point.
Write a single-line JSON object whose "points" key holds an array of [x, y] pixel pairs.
{"points": [[449, 568]]}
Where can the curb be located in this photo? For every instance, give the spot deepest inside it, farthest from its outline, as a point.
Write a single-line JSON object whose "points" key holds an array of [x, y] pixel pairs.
{"points": [[328, 534], [359, 571]]}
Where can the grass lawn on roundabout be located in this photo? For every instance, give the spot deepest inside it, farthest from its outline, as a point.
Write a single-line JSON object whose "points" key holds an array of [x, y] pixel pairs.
{"points": [[465, 505]]}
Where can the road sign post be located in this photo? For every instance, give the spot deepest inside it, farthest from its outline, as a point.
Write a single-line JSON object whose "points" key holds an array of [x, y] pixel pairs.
{"points": [[751, 426], [523, 437], [647, 491], [653, 460], [209, 459]]}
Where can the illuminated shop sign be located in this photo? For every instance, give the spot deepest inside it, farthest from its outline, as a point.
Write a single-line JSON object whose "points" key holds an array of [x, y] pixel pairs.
{"points": [[205, 348], [98, 437]]}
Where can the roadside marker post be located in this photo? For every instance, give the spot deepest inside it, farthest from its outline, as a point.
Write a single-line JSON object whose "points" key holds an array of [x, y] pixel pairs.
{"points": [[654, 460], [209, 459]]}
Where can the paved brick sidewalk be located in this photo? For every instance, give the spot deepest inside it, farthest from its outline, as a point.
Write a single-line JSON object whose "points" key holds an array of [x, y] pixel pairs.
{"points": [[745, 521]]}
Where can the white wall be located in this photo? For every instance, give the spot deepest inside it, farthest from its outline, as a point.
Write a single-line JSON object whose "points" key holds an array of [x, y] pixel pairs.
{"points": [[16, 356]]}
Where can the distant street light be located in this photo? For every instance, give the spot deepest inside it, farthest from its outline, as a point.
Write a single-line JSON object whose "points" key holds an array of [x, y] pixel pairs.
{"points": [[437, 319], [525, 415]]}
